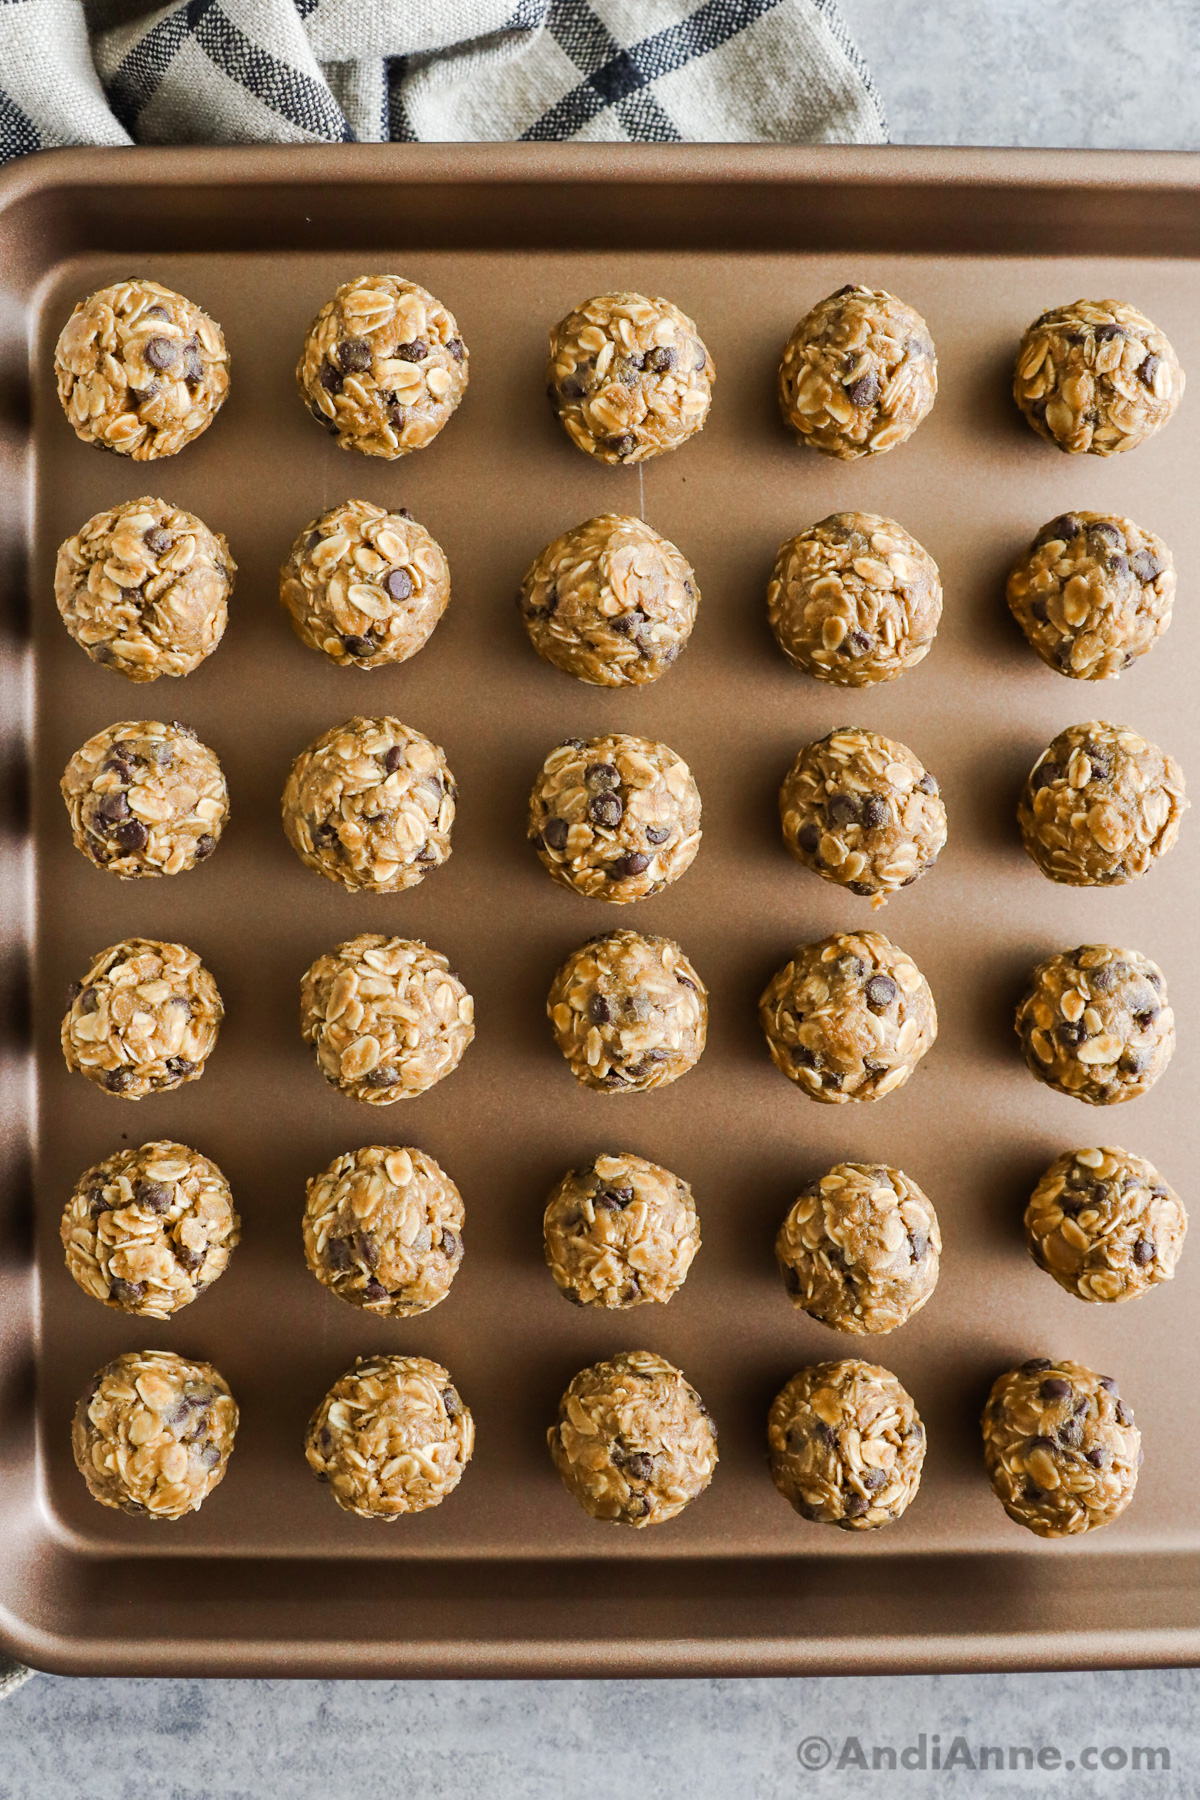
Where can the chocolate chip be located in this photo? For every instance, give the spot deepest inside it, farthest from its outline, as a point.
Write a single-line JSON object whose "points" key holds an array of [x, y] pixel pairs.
{"points": [[179, 1067], [856, 643], [193, 365], [599, 1011], [161, 353], [918, 1245], [157, 540], [89, 1000], [1146, 565], [875, 812], [1054, 1388], [449, 1243], [398, 584], [455, 347], [1066, 527], [394, 414], [657, 834], [855, 1505], [662, 358], [622, 444], [637, 1506], [1098, 1458], [354, 355], [635, 1464], [1147, 371], [803, 1056], [555, 832], [331, 380], [865, 391], [117, 1080], [570, 389], [451, 1402], [126, 1293], [809, 838], [358, 646], [1071, 1032], [842, 809], [1040, 611], [880, 992], [1042, 1443], [1109, 1384], [928, 784], [1044, 775], [701, 357], [153, 1196], [156, 312], [1143, 1252], [113, 807], [394, 758], [606, 810], [131, 837], [1124, 1413], [1070, 1435], [374, 1291], [1035, 1364], [1134, 1062]]}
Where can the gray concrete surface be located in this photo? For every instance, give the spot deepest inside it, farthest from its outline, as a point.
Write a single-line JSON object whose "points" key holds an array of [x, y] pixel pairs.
{"points": [[1101, 73]]}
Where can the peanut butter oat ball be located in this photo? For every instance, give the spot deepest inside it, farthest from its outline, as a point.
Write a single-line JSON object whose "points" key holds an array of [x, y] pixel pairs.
{"points": [[1105, 1224], [1095, 1023], [848, 1018], [1097, 376], [143, 1020], [386, 1017], [383, 1229], [147, 1230], [1060, 1446], [615, 817], [628, 377], [145, 799], [141, 370], [863, 812], [370, 804], [846, 1445], [1101, 805], [1092, 593], [153, 1434], [629, 1013], [858, 374], [365, 586], [610, 602], [144, 588], [634, 1442], [383, 366], [620, 1231], [854, 600], [859, 1250], [392, 1436]]}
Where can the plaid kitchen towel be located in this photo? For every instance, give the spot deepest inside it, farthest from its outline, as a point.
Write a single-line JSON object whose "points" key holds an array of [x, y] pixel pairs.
{"points": [[370, 71]]}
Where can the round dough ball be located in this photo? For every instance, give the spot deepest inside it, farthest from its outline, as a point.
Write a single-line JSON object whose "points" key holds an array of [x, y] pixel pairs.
{"points": [[854, 600], [1105, 1224], [634, 1442], [147, 1230], [620, 1231], [383, 1229], [386, 1016], [1061, 1449], [610, 602], [104, 1034], [1095, 1023], [846, 1445], [392, 1436], [141, 370], [153, 1434], [383, 366], [145, 799], [628, 377], [859, 1250], [1101, 805], [1092, 593], [629, 1012], [1097, 376], [144, 588], [370, 804], [863, 812], [849, 1018], [858, 374], [365, 586], [615, 817]]}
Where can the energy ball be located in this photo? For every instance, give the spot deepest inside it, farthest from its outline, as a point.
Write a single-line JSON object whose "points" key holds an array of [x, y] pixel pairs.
{"points": [[1101, 805], [1095, 1023], [1097, 376], [1060, 1447], [141, 370], [846, 1445], [615, 817], [634, 1442], [620, 1231], [854, 600], [144, 588], [145, 799], [1092, 593], [863, 812], [143, 1020], [149, 1229], [629, 1013], [848, 1018], [859, 1250], [610, 602], [392, 1436], [370, 804], [153, 1434], [383, 1229], [858, 374], [386, 1017], [628, 377], [365, 586], [1105, 1224], [383, 366]]}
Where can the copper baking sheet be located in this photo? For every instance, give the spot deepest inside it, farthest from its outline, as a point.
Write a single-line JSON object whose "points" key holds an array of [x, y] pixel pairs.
{"points": [[510, 1576]]}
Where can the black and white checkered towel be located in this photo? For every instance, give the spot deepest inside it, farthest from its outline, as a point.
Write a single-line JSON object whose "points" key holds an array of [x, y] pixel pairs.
{"points": [[337, 71]]}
